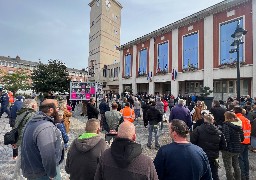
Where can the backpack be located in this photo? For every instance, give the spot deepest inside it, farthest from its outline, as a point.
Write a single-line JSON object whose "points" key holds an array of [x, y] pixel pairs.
{"points": [[12, 136]]}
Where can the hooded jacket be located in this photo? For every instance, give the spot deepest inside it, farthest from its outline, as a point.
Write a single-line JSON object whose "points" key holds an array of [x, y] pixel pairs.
{"points": [[20, 123], [125, 161], [83, 156], [210, 139], [234, 136], [92, 111], [182, 113], [16, 107], [153, 116], [218, 113], [42, 147]]}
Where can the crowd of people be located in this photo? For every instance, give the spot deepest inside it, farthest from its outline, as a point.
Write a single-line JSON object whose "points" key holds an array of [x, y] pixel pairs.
{"points": [[198, 135]]}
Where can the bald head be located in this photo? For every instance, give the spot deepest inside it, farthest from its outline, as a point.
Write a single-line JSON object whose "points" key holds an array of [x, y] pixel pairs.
{"points": [[127, 130]]}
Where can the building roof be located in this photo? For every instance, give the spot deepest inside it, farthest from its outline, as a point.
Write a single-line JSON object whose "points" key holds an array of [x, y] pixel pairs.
{"points": [[224, 5], [30, 63], [18, 61], [118, 3]]}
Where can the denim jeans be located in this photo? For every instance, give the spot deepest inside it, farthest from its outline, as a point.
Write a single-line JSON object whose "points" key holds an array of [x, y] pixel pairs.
{"points": [[137, 113], [231, 159], [155, 129], [244, 162]]}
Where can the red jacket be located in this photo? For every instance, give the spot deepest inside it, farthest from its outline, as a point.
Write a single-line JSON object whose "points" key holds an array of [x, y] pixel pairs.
{"points": [[165, 105]]}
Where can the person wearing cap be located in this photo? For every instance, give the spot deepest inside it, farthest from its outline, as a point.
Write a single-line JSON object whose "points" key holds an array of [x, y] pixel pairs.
{"points": [[181, 160]]}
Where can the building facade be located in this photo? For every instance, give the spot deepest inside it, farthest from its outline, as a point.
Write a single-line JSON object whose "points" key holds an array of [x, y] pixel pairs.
{"points": [[193, 52], [104, 37], [10, 65]]}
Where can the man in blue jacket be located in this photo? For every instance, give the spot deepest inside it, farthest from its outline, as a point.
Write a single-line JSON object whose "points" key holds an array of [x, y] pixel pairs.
{"points": [[182, 113], [14, 109], [4, 99], [181, 160], [42, 147]]}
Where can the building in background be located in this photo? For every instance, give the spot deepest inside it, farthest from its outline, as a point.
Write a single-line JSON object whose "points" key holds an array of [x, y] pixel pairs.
{"points": [[10, 65], [193, 52], [104, 38]]}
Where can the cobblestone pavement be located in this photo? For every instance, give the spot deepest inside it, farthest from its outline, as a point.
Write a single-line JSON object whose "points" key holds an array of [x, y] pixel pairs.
{"points": [[77, 127]]}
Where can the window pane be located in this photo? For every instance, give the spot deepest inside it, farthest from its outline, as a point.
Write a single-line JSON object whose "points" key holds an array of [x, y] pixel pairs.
{"points": [[190, 51], [226, 30], [162, 57], [245, 87], [128, 59], [143, 62], [224, 86], [230, 86]]}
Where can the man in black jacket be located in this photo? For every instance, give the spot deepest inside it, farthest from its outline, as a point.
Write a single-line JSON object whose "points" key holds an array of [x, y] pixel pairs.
{"points": [[218, 113], [104, 107], [211, 140], [124, 160], [145, 108], [92, 111], [154, 118]]}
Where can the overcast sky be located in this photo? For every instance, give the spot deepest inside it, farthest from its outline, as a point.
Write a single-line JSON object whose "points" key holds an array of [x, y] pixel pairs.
{"points": [[59, 29]]}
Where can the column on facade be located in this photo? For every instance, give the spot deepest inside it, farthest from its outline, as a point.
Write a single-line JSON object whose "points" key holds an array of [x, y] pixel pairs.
{"points": [[208, 52], [134, 85], [254, 45], [151, 86], [175, 84], [120, 75]]}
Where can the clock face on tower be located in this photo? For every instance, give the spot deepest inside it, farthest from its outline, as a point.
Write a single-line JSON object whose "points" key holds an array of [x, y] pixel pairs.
{"points": [[108, 5], [98, 3]]}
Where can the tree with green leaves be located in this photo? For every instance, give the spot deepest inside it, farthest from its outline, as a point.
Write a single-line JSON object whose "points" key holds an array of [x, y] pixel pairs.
{"points": [[17, 80], [51, 77], [205, 91]]}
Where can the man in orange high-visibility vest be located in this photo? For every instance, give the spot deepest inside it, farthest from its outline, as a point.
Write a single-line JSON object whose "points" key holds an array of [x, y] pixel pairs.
{"points": [[128, 113], [243, 157]]}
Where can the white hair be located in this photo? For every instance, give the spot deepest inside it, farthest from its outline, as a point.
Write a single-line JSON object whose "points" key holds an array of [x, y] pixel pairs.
{"points": [[29, 103], [181, 101]]}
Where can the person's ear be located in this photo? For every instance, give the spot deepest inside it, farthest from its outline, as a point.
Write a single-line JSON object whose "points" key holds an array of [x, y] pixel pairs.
{"points": [[134, 137], [98, 131]]}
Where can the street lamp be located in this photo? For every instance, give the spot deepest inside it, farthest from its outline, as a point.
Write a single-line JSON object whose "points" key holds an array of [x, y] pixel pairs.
{"points": [[238, 37]]}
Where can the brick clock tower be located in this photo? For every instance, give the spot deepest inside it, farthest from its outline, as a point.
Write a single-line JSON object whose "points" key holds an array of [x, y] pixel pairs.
{"points": [[105, 24]]}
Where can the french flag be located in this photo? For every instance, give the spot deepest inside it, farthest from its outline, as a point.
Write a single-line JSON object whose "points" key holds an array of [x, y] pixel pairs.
{"points": [[174, 74]]}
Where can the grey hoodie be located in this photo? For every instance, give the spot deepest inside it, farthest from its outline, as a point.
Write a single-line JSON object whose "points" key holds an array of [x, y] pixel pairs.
{"points": [[42, 147], [83, 156]]}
